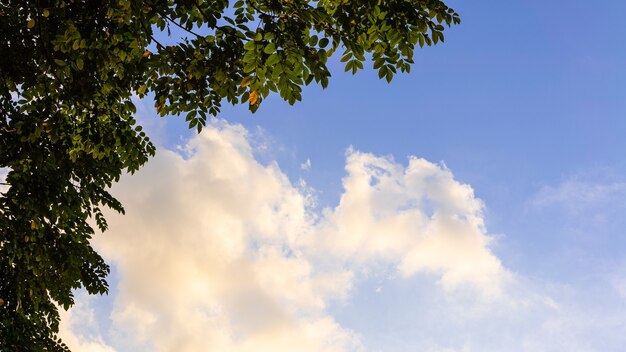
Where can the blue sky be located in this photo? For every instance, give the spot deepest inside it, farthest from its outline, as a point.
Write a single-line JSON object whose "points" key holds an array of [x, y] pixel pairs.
{"points": [[518, 121]]}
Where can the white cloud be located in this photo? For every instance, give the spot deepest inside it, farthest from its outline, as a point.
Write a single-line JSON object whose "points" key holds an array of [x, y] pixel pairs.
{"points": [[79, 327], [218, 252], [208, 259], [582, 207], [306, 166], [578, 195], [416, 217]]}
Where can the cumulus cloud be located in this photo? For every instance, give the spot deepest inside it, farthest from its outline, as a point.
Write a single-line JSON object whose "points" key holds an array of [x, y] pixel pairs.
{"points": [[208, 258], [218, 252], [417, 217]]}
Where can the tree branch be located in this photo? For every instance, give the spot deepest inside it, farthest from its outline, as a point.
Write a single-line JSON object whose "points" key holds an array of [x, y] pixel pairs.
{"points": [[177, 24]]}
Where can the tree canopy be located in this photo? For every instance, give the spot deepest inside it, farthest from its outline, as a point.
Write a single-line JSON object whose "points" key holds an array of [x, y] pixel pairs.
{"points": [[68, 72]]}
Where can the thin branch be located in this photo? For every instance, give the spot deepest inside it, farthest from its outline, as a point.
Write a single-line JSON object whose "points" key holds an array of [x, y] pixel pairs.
{"points": [[251, 4], [207, 18], [165, 48], [177, 24]]}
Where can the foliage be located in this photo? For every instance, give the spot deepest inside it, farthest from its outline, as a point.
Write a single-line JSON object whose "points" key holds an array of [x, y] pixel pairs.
{"points": [[69, 69]]}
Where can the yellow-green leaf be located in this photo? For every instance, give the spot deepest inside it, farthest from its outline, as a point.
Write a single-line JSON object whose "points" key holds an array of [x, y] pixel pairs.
{"points": [[246, 81]]}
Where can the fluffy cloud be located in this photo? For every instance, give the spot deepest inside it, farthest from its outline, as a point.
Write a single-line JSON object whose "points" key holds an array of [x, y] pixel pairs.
{"points": [[416, 217], [218, 252]]}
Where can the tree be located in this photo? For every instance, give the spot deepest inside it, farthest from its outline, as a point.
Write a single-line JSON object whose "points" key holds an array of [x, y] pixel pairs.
{"points": [[69, 69]]}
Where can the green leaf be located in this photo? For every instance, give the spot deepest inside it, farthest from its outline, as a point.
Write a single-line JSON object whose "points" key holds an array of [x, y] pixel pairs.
{"points": [[249, 67], [191, 116], [349, 66], [382, 72], [272, 60], [249, 45], [270, 48]]}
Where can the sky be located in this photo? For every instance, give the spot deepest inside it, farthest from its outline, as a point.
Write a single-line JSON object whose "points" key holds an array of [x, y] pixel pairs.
{"points": [[475, 204]]}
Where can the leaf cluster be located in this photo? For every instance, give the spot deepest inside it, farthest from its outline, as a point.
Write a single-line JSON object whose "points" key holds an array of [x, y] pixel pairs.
{"points": [[68, 70], [279, 46]]}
